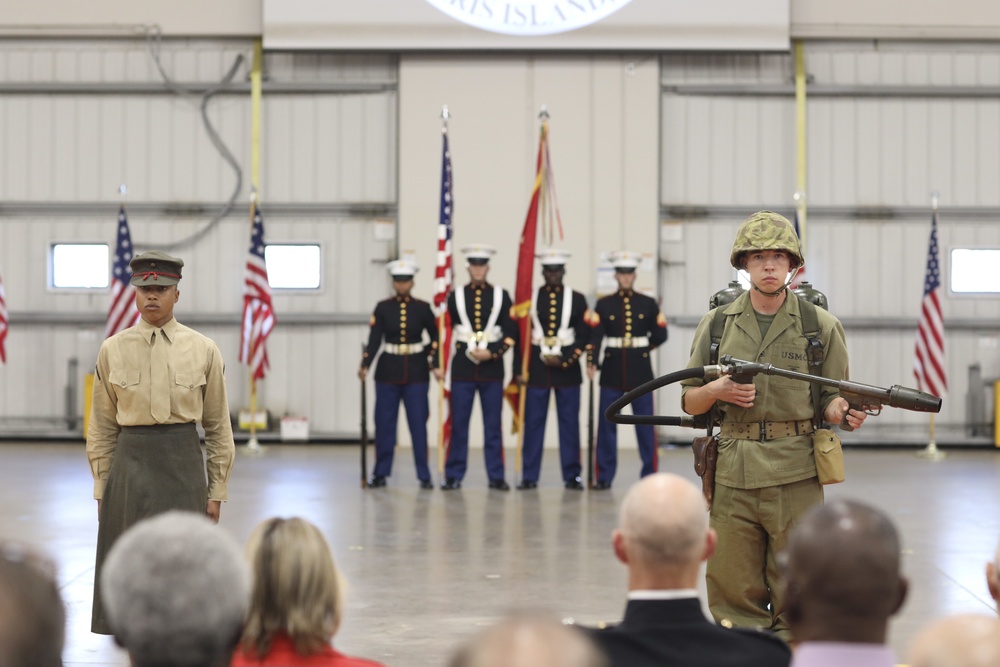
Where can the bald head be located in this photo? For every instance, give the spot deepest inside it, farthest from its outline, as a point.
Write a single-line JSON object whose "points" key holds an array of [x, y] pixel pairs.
{"points": [[529, 640], [843, 579], [968, 640], [663, 529]]}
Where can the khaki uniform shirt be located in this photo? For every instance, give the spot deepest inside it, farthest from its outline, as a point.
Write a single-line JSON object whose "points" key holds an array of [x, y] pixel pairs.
{"points": [[197, 394], [750, 464]]}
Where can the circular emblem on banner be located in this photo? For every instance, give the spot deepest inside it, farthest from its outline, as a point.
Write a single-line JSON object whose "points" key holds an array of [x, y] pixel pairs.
{"points": [[528, 17]]}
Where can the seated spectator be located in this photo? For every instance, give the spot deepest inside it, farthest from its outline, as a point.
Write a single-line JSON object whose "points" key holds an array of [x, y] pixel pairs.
{"points": [[32, 614], [176, 590], [528, 640], [993, 577], [662, 538], [967, 640], [842, 584], [297, 600]]}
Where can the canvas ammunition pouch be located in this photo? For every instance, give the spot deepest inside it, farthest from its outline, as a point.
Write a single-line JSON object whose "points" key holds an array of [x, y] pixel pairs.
{"points": [[829, 456]]}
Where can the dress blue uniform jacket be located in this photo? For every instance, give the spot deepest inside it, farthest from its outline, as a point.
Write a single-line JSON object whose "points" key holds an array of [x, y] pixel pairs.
{"points": [[402, 320], [479, 305], [618, 315], [549, 311]]}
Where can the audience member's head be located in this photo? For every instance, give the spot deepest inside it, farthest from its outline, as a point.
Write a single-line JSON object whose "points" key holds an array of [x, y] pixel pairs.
{"points": [[176, 589], [297, 589], [663, 534], [842, 576], [993, 577], [32, 615], [529, 640], [968, 640]]}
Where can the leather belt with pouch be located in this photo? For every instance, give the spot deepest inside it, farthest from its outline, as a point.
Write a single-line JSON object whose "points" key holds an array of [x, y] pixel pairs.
{"points": [[765, 430], [706, 455]]}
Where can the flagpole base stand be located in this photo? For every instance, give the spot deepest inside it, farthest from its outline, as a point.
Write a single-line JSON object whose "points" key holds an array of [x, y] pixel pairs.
{"points": [[253, 448], [931, 452]]}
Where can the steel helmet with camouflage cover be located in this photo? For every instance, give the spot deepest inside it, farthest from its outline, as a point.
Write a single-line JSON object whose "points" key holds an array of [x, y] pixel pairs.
{"points": [[766, 230]]}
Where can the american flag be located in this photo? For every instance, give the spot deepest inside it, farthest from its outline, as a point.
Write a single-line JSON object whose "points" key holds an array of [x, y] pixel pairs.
{"points": [[444, 279], [3, 323], [443, 273], [258, 311], [122, 312], [928, 365]]}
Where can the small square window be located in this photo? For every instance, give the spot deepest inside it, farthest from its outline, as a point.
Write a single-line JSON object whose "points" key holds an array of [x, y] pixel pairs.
{"points": [[79, 266], [293, 266], [974, 270]]}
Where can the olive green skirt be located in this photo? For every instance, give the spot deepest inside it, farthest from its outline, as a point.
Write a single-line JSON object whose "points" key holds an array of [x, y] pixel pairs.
{"points": [[155, 469]]}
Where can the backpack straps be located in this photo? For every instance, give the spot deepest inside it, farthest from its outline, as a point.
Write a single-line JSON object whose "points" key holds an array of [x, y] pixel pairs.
{"points": [[814, 354], [814, 347]]}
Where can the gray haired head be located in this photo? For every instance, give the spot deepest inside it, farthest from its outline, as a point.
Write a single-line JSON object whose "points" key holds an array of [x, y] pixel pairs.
{"points": [[176, 590]]}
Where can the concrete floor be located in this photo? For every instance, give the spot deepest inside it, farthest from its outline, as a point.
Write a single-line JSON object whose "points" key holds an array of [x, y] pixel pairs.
{"points": [[426, 568]]}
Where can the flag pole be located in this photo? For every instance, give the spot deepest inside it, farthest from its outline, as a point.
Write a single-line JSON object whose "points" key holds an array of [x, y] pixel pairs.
{"points": [[931, 451], [441, 353], [801, 142], [539, 202], [253, 445]]}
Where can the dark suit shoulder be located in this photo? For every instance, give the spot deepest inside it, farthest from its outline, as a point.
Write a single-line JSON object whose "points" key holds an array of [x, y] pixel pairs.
{"points": [[697, 644], [763, 638]]}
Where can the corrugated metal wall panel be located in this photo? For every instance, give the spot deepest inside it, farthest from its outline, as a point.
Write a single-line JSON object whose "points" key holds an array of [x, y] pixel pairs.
{"points": [[865, 150], [321, 148], [717, 150]]}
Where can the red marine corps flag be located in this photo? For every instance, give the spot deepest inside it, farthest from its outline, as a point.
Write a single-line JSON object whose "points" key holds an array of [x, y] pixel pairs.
{"points": [[3, 323], [544, 202]]}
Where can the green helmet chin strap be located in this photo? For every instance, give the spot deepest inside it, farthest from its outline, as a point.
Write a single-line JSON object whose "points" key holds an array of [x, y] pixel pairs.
{"points": [[777, 292]]}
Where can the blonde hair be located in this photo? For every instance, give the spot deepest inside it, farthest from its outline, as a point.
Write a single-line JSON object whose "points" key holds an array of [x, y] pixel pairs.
{"points": [[297, 589]]}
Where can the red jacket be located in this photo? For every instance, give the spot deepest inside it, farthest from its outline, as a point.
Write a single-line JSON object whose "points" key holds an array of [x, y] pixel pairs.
{"points": [[282, 654]]}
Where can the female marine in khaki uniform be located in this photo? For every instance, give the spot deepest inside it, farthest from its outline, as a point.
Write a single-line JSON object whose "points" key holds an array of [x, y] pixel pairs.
{"points": [[153, 382]]}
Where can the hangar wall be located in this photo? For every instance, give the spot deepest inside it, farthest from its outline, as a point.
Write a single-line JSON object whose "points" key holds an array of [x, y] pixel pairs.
{"points": [[888, 123]]}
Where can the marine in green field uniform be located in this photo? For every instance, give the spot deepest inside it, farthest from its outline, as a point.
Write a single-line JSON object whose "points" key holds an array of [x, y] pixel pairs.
{"points": [[766, 473]]}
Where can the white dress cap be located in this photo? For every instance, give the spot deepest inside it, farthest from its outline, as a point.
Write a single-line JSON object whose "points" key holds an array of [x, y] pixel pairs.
{"points": [[479, 251], [402, 268], [625, 259], [553, 256]]}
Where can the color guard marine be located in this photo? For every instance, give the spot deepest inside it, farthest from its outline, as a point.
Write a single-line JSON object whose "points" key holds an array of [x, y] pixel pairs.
{"points": [[559, 334], [630, 325], [483, 332], [398, 326]]}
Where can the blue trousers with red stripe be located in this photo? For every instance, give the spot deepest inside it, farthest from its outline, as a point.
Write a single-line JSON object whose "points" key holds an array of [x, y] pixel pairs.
{"points": [[387, 399], [463, 394], [607, 437], [536, 410]]}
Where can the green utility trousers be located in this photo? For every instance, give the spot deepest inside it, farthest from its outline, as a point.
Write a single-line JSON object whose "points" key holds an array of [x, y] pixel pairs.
{"points": [[753, 526]]}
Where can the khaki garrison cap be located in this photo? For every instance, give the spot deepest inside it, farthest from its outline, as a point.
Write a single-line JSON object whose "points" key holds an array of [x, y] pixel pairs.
{"points": [[155, 268]]}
